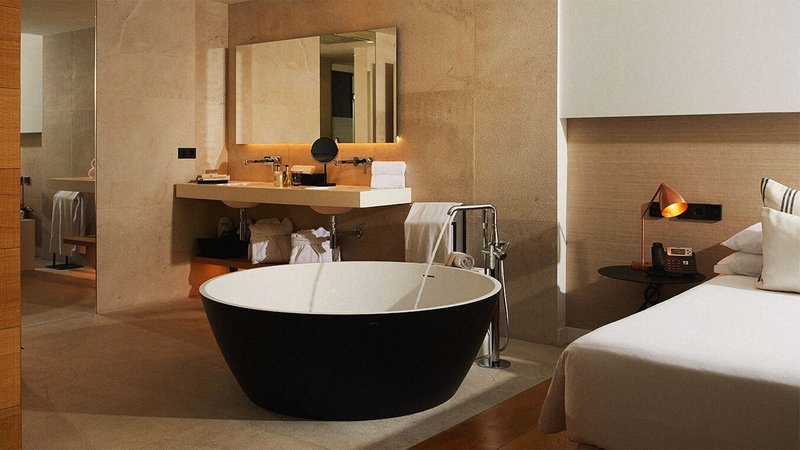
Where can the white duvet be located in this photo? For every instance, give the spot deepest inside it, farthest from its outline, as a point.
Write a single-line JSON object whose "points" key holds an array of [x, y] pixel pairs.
{"points": [[715, 367]]}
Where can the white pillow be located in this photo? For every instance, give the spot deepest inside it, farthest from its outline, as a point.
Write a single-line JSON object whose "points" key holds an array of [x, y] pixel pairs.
{"points": [[781, 270], [777, 196], [748, 240], [740, 263]]}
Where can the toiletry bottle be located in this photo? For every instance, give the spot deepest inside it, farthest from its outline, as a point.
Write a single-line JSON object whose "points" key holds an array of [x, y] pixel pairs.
{"points": [[277, 174], [287, 177]]}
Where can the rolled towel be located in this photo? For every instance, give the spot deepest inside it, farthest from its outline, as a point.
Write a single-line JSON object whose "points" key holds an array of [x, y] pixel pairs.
{"points": [[460, 260], [389, 168], [387, 181]]}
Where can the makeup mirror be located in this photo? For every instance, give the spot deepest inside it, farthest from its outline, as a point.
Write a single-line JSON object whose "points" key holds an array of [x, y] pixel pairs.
{"points": [[324, 150]]}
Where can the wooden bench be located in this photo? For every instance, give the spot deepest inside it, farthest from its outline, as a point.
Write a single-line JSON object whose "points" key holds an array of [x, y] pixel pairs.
{"points": [[85, 241], [88, 242]]}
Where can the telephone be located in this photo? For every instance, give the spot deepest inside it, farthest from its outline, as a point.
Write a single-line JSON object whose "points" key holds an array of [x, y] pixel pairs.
{"points": [[676, 261]]}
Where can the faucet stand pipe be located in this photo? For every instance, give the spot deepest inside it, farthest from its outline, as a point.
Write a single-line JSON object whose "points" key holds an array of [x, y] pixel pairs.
{"points": [[493, 360], [332, 219], [493, 250]]}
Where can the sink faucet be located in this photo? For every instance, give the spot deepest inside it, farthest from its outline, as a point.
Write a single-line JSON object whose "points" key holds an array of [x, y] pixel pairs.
{"points": [[274, 160]]}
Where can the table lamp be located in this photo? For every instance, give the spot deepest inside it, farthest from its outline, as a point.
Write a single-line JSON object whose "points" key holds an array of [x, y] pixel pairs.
{"points": [[672, 205]]}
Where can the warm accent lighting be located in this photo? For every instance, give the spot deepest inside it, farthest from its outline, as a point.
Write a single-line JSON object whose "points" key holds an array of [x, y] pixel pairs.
{"points": [[672, 205]]}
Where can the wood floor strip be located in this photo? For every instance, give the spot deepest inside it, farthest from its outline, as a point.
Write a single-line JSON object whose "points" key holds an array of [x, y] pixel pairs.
{"points": [[509, 425]]}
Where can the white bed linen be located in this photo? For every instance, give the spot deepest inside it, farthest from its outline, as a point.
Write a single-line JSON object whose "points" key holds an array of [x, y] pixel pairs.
{"points": [[715, 367]]}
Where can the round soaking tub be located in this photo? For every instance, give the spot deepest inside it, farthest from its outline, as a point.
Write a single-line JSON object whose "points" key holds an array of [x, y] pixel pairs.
{"points": [[343, 341]]}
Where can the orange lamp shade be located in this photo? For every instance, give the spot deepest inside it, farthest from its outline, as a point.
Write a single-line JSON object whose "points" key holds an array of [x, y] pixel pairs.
{"points": [[671, 202]]}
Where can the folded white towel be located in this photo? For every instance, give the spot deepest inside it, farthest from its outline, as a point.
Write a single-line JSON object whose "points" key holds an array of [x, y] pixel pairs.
{"points": [[270, 241], [387, 181], [312, 246], [422, 227], [460, 260], [389, 168]]}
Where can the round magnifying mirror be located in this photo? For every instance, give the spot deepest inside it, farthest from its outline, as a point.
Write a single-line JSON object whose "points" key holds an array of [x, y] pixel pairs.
{"points": [[324, 150]]}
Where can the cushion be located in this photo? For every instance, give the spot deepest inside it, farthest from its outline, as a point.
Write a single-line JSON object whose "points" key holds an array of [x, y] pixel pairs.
{"points": [[747, 240], [740, 263], [777, 196], [781, 271]]}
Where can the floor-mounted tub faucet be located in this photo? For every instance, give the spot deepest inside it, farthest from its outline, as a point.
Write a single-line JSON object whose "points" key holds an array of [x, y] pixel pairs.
{"points": [[494, 252]]}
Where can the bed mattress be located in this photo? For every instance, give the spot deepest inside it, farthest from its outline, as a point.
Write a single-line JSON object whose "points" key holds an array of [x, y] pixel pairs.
{"points": [[717, 366]]}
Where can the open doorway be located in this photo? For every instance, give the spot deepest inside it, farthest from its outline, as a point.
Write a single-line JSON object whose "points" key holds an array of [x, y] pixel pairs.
{"points": [[57, 159]]}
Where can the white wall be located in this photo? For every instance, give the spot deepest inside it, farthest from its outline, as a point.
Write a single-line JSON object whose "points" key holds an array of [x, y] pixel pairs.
{"points": [[30, 83], [673, 57]]}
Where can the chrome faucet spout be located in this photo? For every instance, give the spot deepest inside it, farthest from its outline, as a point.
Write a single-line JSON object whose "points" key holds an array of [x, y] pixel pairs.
{"points": [[268, 159]]}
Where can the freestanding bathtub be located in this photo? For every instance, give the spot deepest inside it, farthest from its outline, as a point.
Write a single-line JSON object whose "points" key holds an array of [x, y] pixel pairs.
{"points": [[342, 341]]}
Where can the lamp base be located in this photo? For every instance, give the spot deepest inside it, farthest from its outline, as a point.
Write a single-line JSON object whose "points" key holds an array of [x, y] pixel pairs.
{"points": [[641, 265]]}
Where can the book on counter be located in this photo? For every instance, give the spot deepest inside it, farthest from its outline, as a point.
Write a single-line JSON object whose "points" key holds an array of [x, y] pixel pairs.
{"points": [[213, 178]]}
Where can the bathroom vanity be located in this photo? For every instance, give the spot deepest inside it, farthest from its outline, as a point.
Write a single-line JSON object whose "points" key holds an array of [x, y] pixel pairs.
{"points": [[327, 200]]}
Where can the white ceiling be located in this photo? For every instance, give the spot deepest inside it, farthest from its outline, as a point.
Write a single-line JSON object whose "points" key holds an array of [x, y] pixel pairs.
{"points": [[45, 17]]}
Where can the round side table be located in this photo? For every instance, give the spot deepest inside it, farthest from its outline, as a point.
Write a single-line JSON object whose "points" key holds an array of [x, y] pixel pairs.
{"points": [[652, 294]]}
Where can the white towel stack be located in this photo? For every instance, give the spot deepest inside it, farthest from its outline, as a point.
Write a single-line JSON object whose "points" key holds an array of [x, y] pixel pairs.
{"points": [[269, 241], [388, 175], [69, 219], [312, 246], [422, 227]]}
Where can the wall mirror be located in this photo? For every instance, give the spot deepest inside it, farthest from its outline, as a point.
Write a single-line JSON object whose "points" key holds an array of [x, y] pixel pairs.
{"points": [[341, 86]]}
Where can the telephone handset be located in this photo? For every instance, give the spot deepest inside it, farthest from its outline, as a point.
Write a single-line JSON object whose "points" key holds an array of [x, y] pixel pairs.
{"points": [[677, 261]]}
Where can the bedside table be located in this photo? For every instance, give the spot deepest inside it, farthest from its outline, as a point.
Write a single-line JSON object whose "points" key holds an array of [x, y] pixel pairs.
{"points": [[652, 294]]}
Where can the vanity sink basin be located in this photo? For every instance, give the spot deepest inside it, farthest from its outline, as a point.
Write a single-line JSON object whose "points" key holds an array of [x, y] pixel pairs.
{"points": [[239, 205], [330, 210]]}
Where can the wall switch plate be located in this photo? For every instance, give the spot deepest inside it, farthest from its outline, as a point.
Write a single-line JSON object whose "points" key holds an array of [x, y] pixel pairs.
{"points": [[187, 153], [695, 211]]}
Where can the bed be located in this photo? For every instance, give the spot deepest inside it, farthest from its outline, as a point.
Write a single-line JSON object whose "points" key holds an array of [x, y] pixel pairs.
{"points": [[717, 366]]}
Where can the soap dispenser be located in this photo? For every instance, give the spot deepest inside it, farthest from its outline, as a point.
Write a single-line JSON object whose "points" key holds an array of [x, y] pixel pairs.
{"points": [[277, 175], [287, 177]]}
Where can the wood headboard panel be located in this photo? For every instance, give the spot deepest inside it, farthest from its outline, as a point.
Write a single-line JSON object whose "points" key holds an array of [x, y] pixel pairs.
{"points": [[615, 166]]}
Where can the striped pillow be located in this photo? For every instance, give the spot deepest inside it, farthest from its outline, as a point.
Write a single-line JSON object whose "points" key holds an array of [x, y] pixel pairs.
{"points": [[779, 197]]}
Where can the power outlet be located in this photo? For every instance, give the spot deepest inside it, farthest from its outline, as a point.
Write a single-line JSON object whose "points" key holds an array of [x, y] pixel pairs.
{"points": [[187, 153]]}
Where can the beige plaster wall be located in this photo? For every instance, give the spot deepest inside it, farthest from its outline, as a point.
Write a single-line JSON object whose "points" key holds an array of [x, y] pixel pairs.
{"points": [[615, 166], [476, 118], [65, 147], [160, 86], [279, 85]]}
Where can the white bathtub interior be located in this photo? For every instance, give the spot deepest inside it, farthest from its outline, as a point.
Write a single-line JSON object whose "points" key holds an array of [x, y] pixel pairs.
{"points": [[355, 287]]}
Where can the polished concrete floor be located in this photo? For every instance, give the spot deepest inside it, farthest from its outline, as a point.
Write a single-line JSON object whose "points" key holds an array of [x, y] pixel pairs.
{"points": [[153, 377]]}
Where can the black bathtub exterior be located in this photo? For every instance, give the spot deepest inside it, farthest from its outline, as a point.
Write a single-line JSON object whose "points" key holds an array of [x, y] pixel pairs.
{"points": [[350, 367]]}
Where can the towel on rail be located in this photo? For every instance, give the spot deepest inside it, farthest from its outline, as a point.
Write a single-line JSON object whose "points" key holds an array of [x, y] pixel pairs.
{"points": [[68, 219], [422, 227]]}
